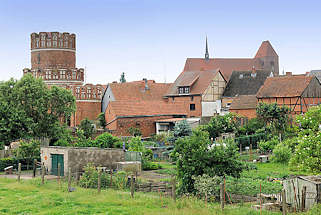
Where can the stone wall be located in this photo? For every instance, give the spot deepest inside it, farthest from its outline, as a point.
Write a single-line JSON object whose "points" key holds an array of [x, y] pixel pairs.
{"points": [[77, 158]]}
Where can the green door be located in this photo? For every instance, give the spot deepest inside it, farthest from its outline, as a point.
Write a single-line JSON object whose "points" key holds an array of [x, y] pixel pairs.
{"points": [[55, 159]]}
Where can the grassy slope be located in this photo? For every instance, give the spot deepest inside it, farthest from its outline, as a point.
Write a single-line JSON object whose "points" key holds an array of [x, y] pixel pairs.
{"points": [[29, 197]]}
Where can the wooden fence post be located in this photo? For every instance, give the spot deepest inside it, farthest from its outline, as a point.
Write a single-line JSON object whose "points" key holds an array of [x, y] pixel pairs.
{"points": [[304, 191], [19, 171], [42, 174], [34, 168], [99, 180], [77, 177], [69, 179], [222, 196], [132, 186], [251, 153], [59, 174], [111, 177], [260, 199], [174, 188], [284, 209]]}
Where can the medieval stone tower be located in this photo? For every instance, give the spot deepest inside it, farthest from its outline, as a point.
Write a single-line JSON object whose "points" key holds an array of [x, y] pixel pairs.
{"points": [[53, 58]]}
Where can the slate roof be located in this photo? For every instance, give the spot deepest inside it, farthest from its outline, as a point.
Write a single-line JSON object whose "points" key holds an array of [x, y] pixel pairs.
{"points": [[316, 73], [245, 82], [146, 108], [198, 81], [244, 102], [228, 65], [136, 90], [284, 86]]}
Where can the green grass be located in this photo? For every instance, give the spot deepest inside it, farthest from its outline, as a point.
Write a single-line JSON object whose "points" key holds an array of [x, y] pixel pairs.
{"points": [[30, 197], [272, 170]]}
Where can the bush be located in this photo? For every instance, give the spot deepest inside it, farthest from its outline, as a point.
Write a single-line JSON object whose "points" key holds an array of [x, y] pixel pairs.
{"points": [[206, 185], [147, 165], [135, 131], [281, 153], [1, 145], [25, 162], [87, 126], [307, 154], [107, 140], [268, 146], [90, 178]]}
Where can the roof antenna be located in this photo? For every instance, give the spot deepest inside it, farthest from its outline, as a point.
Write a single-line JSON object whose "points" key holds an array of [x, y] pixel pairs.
{"points": [[207, 56]]}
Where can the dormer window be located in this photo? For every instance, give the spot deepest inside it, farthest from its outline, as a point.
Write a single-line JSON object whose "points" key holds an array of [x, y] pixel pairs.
{"points": [[183, 90]]}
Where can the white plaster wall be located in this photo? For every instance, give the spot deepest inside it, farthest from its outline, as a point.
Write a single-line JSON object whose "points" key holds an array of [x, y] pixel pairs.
{"points": [[211, 108]]}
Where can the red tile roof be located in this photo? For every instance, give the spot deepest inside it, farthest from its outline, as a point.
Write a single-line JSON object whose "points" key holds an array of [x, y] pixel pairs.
{"points": [[201, 81], [225, 65], [284, 86], [244, 102], [136, 90], [146, 108], [228, 65], [265, 49]]}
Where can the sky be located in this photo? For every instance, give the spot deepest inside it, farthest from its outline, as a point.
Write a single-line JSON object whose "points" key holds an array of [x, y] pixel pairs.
{"points": [[152, 38]]}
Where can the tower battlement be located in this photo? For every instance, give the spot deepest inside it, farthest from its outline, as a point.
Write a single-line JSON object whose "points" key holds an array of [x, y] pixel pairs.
{"points": [[53, 50], [53, 40]]}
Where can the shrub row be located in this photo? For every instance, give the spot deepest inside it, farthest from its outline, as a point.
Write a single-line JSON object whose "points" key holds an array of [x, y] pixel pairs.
{"points": [[26, 163]]}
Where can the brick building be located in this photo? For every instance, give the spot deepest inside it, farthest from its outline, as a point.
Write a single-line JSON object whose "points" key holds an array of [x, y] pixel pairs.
{"points": [[244, 105], [53, 58], [298, 92]]}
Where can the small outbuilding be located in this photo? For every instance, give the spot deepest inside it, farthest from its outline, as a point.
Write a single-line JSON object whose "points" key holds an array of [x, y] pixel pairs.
{"points": [[304, 190], [77, 158]]}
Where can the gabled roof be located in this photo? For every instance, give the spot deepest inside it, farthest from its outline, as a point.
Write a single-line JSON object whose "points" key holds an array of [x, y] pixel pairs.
{"points": [[265, 50], [316, 73], [226, 65], [197, 80], [284, 86], [146, 108], [245, 82], [136, 90], [244, 102]]}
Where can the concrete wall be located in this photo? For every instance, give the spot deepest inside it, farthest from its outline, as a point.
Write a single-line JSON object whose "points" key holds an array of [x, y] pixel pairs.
{"points": [[46, 152], [77, 158]]}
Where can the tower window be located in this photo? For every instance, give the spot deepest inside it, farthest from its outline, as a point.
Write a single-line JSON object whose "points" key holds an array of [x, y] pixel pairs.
{"points": [[73, 75]]}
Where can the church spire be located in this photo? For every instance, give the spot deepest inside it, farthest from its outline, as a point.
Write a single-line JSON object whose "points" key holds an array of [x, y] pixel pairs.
{"points": [[207, 56]]}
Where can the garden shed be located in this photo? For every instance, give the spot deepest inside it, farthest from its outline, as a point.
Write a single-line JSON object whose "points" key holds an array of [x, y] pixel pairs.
{"points": [[78, 157], [294, 191]]}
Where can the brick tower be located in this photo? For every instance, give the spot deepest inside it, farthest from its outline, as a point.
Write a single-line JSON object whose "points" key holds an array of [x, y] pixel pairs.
{"points": [[53, 58]]}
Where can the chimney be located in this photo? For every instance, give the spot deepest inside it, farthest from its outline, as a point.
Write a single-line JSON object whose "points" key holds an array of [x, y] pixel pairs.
{"points": [[288, 73], [146, 84]]}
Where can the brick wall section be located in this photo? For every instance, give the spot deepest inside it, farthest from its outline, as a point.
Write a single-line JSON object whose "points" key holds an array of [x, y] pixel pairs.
{"points": [[197, 100], [85, 109], [147, 125], [53, 59], [249, 113]]}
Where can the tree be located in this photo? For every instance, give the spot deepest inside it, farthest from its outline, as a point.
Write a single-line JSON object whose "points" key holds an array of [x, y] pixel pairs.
{"points": [[28, 108], [182, 129], [273, 115], [222, 124], [87, 127], [196, 157], [102, 120], [122, 78]]}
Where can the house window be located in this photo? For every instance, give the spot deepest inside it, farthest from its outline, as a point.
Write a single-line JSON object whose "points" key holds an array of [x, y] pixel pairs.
{"points": [[54, 43], [192, 98], [73, 75], [55, 75], [183, 90], [192, 107], [48, 75], [37, 42]]}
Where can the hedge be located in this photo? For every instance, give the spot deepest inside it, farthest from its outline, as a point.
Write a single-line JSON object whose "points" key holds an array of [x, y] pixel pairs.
{"points": [[11, 161]]}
